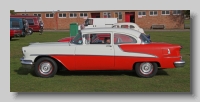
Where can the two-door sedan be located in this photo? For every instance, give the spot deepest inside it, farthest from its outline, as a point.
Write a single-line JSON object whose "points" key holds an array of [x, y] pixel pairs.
{"points": [[127, 50]]}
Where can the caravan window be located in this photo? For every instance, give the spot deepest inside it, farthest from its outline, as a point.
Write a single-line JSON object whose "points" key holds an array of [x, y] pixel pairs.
{"points": [[15, 24], [30, 21]]}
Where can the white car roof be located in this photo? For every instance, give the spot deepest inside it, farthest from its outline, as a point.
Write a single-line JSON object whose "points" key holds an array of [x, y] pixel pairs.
{"points": [[128, 23], [119, 30]]}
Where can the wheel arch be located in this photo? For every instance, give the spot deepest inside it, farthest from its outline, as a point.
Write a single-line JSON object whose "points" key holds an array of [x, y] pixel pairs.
{"points": [[59, 64], [158, 64]]}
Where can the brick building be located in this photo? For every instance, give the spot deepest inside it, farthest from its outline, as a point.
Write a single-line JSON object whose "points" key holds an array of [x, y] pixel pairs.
{"points": [[60, 20]]}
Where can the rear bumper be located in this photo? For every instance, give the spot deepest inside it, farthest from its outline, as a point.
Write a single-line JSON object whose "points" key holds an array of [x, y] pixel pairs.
{"points": [[180, 63], [26, 63]]}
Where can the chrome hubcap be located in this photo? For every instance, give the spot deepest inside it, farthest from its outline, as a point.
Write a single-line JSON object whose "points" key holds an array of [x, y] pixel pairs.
{"points": [[45, 68], [146, 68]]}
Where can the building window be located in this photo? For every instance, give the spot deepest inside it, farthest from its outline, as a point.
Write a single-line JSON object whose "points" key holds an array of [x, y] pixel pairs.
{"points": [[83, 15], [106, 15], [62, 15], [165, 12], [142, 13], [118, 15], [24, 14], [176, 12], [153, 13], [37, 15], [72, 15], [49, 15]]}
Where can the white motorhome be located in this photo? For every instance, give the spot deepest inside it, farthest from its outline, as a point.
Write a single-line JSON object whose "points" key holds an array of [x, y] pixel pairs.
{"points": [[99, 22]]}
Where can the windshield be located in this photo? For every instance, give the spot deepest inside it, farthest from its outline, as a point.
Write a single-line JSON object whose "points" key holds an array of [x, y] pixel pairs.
{"points": [[144, 39], [77, 39]]}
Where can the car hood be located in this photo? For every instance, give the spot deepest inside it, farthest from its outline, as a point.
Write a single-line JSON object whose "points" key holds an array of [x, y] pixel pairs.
{"points": [[50, 44]]}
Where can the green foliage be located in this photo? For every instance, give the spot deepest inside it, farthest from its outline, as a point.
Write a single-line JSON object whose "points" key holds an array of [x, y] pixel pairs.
{"points": [[12, 12]]}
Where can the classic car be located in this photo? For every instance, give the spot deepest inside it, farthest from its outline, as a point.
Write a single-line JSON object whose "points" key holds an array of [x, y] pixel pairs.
{"points": [[128, 50]]}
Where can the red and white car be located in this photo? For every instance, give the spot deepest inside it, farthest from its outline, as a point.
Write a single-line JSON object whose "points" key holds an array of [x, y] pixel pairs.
{"points": [[128, 50]]}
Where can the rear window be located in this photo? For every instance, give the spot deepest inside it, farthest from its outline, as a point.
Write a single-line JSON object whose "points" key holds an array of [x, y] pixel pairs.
{"points": [[15, 24], [144, 38], [30, 21]]}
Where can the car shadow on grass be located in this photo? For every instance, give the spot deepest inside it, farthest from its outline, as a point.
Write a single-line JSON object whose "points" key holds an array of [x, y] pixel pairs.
{"points": [[25, 71], [14, 39], [105, 73]]}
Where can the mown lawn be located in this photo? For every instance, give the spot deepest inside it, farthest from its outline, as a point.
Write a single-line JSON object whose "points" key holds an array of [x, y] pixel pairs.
{"points": [[168, 80]]}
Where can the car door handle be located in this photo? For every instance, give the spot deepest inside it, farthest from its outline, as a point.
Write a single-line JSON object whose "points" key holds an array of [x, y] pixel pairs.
{"points": [[108, 46]]}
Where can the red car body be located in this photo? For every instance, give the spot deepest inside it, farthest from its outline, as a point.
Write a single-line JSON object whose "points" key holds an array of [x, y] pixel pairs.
{"points": [[12, 34]]}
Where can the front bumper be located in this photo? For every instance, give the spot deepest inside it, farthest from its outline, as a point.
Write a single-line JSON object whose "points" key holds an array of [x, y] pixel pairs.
{"points": [[180, 63], [26, 63]]}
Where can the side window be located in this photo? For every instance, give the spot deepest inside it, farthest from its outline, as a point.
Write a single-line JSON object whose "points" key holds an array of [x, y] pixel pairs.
{"points": [[116, 26], [15, 24], [30, 21], [100, 38], [131, 26], [121, 38], [124, 26]]}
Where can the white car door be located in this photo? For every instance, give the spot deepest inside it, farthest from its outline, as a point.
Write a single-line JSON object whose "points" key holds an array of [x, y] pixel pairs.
{"points": [[93, 54]]}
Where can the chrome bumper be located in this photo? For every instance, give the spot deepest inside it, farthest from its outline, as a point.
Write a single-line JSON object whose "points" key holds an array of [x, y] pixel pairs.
{"points": [[26, 63], [179, 63]]}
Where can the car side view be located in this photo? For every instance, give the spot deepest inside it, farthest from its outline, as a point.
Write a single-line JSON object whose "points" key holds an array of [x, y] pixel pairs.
{"points": [[103, 49]]}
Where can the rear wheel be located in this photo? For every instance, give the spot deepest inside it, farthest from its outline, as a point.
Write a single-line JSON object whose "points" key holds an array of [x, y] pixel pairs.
{"points": [[146, 69], [45, 67]]}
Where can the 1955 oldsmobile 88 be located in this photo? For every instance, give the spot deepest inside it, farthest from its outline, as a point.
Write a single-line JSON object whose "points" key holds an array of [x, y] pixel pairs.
{"points": [[122, 49]]}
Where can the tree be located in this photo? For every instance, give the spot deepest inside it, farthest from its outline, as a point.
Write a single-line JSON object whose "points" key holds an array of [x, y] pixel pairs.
{"points": [[187, 13], [12, 12]]}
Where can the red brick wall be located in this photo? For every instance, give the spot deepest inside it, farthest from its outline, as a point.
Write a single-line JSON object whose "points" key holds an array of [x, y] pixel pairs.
{"points": [[170, 21]]}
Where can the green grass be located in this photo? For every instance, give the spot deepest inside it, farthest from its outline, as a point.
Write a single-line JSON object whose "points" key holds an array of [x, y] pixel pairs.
{"points": [[187, 24], [187, 21], [168, 80]]}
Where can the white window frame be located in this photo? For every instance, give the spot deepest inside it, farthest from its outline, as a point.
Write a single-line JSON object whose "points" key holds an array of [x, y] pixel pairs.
{"points": [[62, 15], [37, 14], [49, 15], [107, 13], [83, 14], [176, 12], [141, 13], [73, 15], [153, 13], [165, 12], [24, 14], [118, 16]]}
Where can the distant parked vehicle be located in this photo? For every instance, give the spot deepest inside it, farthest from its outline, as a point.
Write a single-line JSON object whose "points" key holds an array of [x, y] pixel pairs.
{"points": [[99, 22], [130, 25], [35, 23], [18, 27]]}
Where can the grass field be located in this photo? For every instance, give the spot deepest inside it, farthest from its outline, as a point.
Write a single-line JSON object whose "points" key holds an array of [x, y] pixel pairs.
{"points": [[168, 80]]}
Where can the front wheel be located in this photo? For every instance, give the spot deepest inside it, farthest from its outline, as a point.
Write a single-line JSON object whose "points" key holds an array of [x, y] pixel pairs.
{"points": [[45, 67], [146, 69]]}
